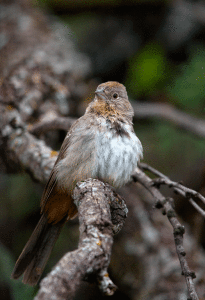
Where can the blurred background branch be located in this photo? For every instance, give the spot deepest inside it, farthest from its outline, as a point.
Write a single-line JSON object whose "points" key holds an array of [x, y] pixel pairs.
{"points": [[166, 112]]}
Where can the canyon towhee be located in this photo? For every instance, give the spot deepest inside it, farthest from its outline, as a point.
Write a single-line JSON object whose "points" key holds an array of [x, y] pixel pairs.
{"points": [[101, 144]]}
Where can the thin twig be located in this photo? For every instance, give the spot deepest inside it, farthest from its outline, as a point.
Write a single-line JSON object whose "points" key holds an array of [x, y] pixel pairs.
{"points": [[184, 191], [166, 205]]}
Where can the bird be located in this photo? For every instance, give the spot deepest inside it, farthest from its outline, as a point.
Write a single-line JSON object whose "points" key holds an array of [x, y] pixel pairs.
{"points": [[102, 145]]}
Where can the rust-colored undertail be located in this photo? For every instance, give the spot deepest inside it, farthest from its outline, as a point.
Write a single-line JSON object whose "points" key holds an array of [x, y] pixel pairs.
{"points": [[58, 205], [57, 208]]}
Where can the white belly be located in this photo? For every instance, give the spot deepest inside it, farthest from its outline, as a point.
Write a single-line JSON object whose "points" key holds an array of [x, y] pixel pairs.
{"points": [[117, 156]]}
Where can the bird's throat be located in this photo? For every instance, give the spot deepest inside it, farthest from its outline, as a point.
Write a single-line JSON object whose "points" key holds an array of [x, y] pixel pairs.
{"points": [[102, 108]]}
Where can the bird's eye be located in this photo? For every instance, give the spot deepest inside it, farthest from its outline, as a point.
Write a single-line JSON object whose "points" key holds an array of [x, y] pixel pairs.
{"points": [[115, 95]]}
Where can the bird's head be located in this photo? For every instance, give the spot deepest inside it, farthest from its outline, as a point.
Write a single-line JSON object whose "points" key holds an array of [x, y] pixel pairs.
{"points": [[111, 100]]}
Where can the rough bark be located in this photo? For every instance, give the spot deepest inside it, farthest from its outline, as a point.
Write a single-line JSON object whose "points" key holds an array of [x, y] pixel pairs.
{"points": [[91, 260]]}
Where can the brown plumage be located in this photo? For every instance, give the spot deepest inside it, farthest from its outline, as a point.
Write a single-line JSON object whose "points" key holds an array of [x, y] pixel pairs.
{"points": [[101, 144]]}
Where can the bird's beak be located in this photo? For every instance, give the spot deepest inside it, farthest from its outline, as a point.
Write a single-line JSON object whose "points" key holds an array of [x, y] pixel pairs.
{"points": [[100, 94]]}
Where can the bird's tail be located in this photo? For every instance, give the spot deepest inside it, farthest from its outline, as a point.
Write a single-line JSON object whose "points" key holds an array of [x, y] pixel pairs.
{"points": [[35, 254]]}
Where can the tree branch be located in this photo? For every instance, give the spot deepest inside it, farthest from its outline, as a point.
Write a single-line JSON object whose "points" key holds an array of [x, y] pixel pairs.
{"points": [[141, 111], [167, 206], [169, 113], [24, 149], [61, 123], [178, 188], [90, 261]]}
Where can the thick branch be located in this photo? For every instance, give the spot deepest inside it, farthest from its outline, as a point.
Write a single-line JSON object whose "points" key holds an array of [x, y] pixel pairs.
{"points": [[22, 147], [92, 258], [167, 205]]}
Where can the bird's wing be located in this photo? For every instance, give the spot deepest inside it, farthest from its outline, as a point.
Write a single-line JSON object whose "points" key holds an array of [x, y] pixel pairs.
{"points": [[76, 158]]}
